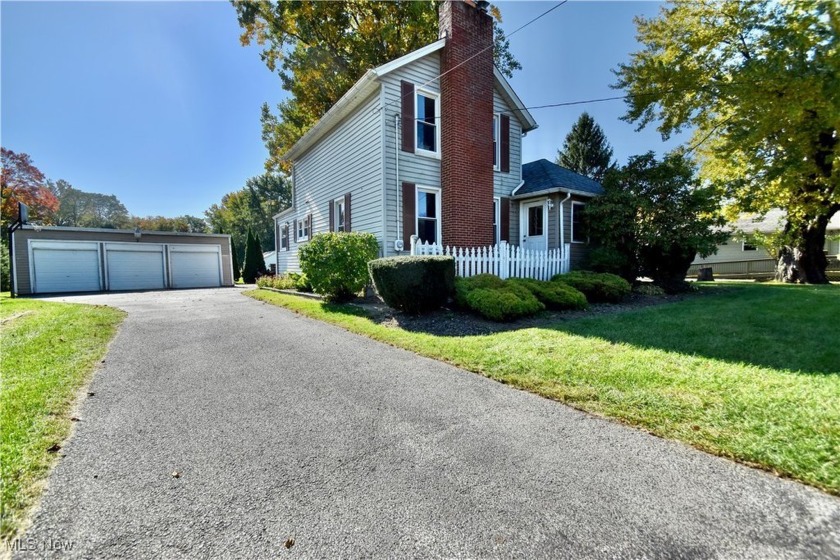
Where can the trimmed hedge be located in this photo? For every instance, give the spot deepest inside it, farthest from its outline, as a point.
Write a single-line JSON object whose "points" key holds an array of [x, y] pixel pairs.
{"points": [[494, 298], [414, 284], [554, 295], [598, 287], [336, 263], [287, 281]]}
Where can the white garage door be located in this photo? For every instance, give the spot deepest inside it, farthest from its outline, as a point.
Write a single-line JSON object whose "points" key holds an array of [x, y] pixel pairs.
{"points": [[195, 266], [135, 266], [65, 266]]}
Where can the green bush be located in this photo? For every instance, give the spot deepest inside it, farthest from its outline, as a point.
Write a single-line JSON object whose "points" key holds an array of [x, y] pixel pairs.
{"points": [[279, 282], [336, 263], [503, 304], [496, 299], [648, 289], [598, 287], [554, 295], [5, 280], [414, 284], [480, 281], [301, 281]]}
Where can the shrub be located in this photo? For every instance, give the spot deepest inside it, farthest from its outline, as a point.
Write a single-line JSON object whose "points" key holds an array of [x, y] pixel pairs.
{"points": [[336, 263], [554, 295], [598, 287], [254, 265], [648, 289], [301, 281], [279, 282], [414, 284], [5, 280], [480, 281], [503, 304]]}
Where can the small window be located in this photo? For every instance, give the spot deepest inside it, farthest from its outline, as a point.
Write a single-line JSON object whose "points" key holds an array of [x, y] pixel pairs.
{"points": [[284, 237], [496, 225], [497, 158], [426, 119], [338, 214], [579, 222], [303, 228], [428, 215], [535, 221], [748, 247]]}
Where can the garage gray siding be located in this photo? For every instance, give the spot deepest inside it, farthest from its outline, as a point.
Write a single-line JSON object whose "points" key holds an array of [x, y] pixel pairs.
{"points": [[23, 236], [347, 160]]}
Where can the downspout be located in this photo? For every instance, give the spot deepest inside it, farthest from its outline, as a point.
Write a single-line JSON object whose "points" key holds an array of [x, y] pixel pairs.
{"points": [[397, 177], [383, 153], [563, 226]]}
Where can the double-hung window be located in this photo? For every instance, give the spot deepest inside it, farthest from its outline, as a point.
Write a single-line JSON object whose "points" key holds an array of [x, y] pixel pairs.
{"points": [[578, 222], [426, 118], [303, 229], [428, 214], [338, 214], [497, 156], [284, 237]]}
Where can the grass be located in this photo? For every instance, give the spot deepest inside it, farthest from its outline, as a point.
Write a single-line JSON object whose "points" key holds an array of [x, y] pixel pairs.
{"points": [[49, 351], [747, 371]]}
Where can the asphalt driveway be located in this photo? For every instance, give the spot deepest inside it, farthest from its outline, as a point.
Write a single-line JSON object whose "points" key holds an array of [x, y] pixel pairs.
{"points": [[224, 427]]}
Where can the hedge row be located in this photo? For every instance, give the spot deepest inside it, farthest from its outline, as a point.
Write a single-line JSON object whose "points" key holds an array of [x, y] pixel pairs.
{"points": [[414, 284]]}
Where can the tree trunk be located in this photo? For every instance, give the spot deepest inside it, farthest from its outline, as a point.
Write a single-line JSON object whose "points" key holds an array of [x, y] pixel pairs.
{"points": [[807, 262]]}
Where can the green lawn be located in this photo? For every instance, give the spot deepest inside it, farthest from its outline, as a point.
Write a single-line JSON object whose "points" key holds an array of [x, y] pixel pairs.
{"points": [[49, 351], [747, 371]]}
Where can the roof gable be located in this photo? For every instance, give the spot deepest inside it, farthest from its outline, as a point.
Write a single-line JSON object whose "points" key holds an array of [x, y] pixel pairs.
{"points": [[369, 82]]}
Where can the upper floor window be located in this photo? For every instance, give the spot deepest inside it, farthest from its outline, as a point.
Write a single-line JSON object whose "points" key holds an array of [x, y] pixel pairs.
{"points": [[427, 112], [284, 237], [496, 143], [303, 226]]}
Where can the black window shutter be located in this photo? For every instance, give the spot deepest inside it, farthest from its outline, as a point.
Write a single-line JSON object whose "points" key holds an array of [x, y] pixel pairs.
{"points": [[309, 223], [504, 221], [347, 212], [295, 229], [505, 143], [407, 115], [332, 215], [409, 223]]}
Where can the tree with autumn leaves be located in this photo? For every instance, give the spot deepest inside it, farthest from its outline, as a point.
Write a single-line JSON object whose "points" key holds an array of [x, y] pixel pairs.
{"points": [[22, 182]]}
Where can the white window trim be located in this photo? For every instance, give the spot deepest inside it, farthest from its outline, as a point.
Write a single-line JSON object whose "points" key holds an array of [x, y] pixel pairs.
{"points": [[572, 222], [301, 225], [497, 129], [497, 230], [436, 96], [336, 202], [437, 192]]}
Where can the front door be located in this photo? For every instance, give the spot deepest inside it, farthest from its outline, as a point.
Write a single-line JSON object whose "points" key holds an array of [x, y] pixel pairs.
{"points": [[532, 225]]}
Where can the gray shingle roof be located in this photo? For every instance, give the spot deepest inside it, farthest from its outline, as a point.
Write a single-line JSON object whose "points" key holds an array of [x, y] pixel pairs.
{"points": [[542, 176]]}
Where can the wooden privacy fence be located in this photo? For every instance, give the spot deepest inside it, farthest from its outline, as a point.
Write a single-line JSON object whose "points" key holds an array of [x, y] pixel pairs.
{"points": [[503, 260]]}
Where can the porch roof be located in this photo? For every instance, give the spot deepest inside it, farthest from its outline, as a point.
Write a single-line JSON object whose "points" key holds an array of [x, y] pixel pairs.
{"points": [[543, 177]]}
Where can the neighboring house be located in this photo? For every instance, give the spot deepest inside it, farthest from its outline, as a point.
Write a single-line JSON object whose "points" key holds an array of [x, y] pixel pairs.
{"points": [[737, 257], [430, 145]]}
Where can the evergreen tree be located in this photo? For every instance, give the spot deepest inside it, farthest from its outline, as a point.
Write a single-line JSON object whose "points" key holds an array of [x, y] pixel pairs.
{"points": [[250, 270], [262, 270], [235, 260], [586, 149]]}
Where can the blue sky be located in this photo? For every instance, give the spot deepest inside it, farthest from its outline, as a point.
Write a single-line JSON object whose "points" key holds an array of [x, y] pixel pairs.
{"points": [[158, 103]]}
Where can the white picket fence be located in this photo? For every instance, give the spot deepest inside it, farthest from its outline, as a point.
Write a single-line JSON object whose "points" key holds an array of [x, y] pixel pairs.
{"points": [[503, 260]]}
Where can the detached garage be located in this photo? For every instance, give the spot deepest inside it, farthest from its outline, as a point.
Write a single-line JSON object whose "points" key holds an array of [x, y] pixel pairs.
{"points": [[58, 259]]}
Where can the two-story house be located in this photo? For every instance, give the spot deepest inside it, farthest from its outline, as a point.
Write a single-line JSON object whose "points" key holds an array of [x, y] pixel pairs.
{"points": [[430, 145]]}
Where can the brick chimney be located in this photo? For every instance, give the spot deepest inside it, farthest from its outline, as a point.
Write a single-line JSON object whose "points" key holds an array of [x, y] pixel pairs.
{"points": [[466, 124]]}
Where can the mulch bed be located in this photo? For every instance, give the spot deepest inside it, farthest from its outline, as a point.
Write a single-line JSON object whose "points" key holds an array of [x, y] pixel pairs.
{"points": [[448, 322]]}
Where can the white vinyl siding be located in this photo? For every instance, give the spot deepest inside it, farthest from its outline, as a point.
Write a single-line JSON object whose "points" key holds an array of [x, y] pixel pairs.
{"points": [[504, 183], [414, 168], [347, 160], [135, 266]]}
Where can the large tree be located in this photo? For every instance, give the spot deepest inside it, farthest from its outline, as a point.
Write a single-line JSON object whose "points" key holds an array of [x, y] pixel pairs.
{"points": [[21, 181], [78, 208], [652, 220], [183, 224], [586, 149], [759, 81], [320, 49], [254, 207]]}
